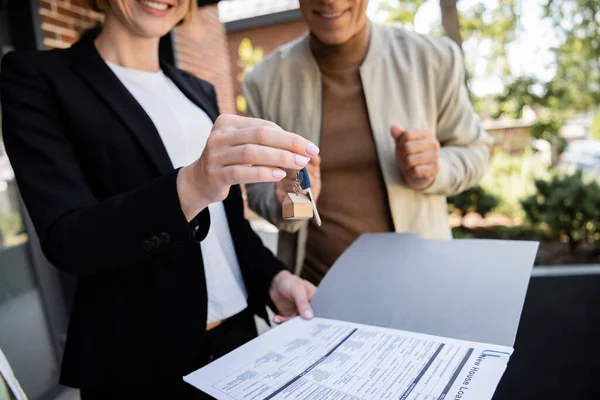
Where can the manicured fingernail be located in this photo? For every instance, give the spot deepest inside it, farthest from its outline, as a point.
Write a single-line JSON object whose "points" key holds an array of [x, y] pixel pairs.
{"points": [[277, 320], [307, 314], [312, 149], [279, 174], [300, 160]]}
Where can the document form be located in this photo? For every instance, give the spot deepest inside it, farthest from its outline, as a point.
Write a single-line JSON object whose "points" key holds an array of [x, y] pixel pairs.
{"points": [[326, 359]]}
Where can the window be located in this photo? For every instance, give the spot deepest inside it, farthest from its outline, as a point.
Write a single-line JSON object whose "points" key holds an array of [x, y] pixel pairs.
{"points": [[25, 310]]}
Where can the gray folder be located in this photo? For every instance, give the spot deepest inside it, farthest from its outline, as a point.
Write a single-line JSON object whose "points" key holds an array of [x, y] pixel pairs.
{"points": [[464, 288]]}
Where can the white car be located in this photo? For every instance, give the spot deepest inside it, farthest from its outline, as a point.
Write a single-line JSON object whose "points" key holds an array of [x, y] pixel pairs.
{"points": [[582, 154]]}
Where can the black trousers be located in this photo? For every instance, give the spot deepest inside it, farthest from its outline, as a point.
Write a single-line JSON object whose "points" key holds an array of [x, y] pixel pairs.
{"points": [[228, 336]]}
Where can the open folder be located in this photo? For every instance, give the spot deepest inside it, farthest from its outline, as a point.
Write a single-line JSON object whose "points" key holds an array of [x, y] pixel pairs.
{"points": [[397, 317]]}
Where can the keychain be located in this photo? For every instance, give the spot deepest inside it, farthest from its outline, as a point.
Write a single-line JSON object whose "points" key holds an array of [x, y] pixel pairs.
{"points": [[298, 205]]}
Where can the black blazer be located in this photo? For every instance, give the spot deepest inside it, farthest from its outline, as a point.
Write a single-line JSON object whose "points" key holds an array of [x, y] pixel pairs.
{"points": [[101, 191]]}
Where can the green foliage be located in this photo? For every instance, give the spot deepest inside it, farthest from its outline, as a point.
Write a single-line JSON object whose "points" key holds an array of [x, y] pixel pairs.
{"points": [[249, 56], [402, 12], [491, 25], [576, 85], [511, 178], [518, 93], [569, 205], [517, 232], [494, 25], [595, 127], [10, 225], [574, 88], [474, 200]]}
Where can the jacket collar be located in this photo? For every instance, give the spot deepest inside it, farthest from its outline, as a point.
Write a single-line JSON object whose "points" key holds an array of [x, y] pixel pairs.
{"points": [[183, 83], [87, 63], [377, 42]]}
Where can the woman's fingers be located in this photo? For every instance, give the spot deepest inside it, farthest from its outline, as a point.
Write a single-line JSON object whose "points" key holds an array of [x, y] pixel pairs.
{"points": [[243, 174], [254, 154], [271, 137], [233, 121], [280, 319], [244, 150]]}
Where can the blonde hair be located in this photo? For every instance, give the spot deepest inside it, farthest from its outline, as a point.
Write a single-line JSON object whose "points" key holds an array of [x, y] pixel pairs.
{"points": [[103, 5]]}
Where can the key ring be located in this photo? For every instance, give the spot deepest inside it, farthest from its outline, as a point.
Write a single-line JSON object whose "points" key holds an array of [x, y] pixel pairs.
{"points": [[297, 184]]}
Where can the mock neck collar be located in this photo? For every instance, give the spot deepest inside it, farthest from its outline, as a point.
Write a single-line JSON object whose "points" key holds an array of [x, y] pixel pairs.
{"points": [[348, 55]]}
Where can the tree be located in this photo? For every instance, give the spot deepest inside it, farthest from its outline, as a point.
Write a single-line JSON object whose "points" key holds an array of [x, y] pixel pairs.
{"points": [[402, 12], [450, 21], [576, 85], [574, 88], [495, 26]]}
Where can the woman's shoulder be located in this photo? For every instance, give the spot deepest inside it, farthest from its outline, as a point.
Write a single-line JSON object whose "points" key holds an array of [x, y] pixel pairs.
{"points": [[32, 60]]}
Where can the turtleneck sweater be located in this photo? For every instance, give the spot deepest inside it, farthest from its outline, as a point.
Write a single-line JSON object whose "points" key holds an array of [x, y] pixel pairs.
{"points": [[353, 197]]}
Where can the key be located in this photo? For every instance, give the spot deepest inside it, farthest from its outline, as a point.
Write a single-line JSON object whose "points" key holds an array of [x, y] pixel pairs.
{"points": [[304, 181]]}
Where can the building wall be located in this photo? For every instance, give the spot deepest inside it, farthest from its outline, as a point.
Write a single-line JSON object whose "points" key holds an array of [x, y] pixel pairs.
{"points": [[64, 20], [268, 38], [511, 140], [202, 51]]}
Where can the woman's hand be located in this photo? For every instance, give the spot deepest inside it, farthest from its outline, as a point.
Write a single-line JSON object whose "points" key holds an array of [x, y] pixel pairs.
{"points": [[240, 150], [291, 296]]}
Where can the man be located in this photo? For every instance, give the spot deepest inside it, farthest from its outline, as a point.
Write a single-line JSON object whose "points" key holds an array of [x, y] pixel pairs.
{"points": [[391, 114]]}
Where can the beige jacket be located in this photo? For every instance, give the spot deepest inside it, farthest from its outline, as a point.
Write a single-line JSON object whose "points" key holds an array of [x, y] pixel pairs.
{"points": [[409, 79]]}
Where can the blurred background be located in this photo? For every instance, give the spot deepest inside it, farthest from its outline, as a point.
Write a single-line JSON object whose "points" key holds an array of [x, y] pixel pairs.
{"points": [[534, 79]]}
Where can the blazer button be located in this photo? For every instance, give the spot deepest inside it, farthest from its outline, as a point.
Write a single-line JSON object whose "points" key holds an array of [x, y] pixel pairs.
{"points": [[165, 238], [155, 241], [146, 245]]}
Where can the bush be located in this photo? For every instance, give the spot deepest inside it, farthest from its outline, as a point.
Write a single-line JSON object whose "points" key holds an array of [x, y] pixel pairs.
{"points": [[568, 205], [474, 200], [517, 232], [511, 178]]}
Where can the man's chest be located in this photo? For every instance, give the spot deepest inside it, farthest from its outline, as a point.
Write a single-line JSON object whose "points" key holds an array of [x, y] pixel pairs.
{"points": [[346, 135]]}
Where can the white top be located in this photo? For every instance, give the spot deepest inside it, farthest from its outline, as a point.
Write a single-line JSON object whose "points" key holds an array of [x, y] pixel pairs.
{"points": [[184, 129]]}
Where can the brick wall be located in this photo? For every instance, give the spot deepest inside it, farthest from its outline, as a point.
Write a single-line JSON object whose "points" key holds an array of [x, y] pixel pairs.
{"points": [[202, 50], [64, 20], [268, 38]]}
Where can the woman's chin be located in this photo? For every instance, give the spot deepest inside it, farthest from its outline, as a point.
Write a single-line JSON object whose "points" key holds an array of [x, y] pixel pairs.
{"points": [[153, 31]]}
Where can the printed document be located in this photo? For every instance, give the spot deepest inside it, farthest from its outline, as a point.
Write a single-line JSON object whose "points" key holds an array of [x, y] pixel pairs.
{"points": [[324, 359]]}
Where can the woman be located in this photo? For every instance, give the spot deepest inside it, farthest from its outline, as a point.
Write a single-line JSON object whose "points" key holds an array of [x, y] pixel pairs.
{"points": [[132, 184], [392, 117]]}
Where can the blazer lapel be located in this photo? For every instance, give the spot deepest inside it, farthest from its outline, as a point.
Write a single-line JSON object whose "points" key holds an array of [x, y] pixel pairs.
{"points": [[201, 99], [86, 61]]}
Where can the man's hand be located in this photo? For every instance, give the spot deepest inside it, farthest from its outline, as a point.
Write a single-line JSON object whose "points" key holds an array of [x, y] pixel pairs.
{"points": [[286, 185], [417, 155], [291, 296]]}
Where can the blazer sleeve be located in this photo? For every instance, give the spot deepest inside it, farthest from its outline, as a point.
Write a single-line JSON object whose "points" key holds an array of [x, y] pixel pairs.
{"points": [[79, 233], [261, 196], [465, 151]]}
